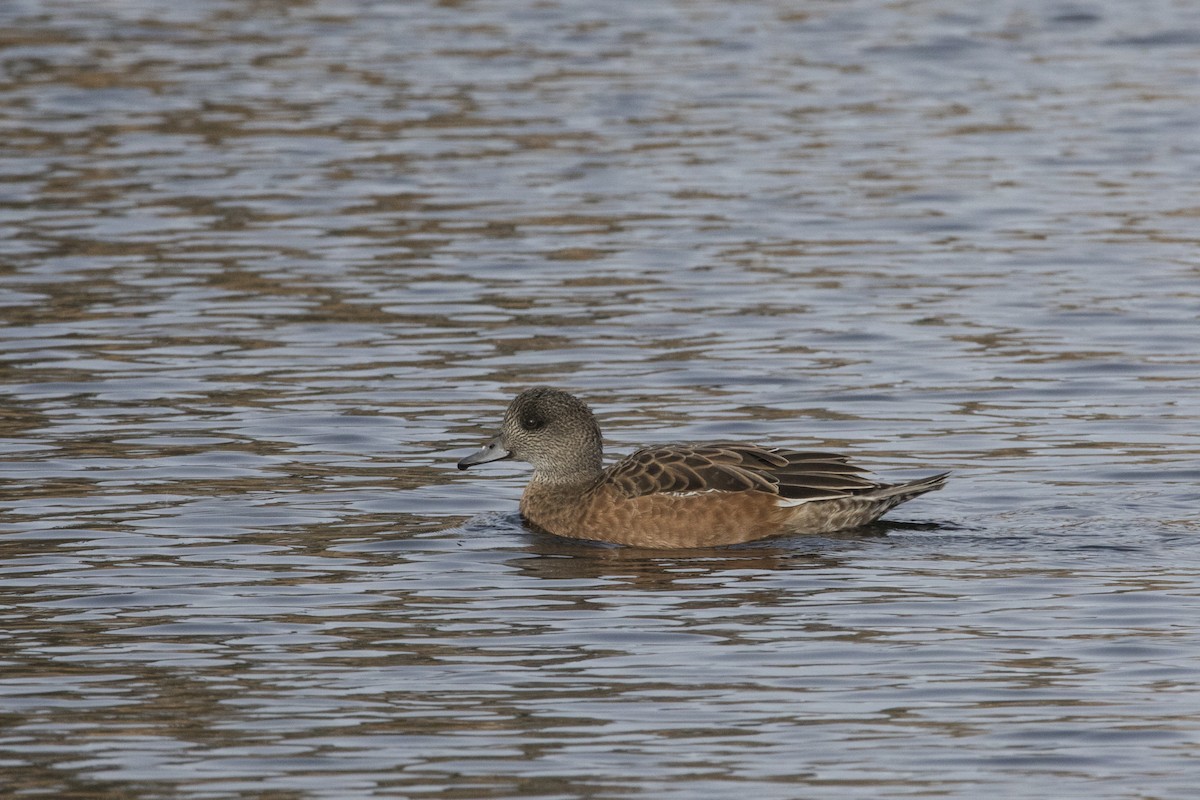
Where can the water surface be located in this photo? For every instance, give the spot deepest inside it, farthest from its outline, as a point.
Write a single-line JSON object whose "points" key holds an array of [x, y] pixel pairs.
{"points": [[268, 270]]}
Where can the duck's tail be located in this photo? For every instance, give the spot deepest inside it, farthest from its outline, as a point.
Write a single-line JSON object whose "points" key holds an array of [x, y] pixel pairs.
{"points": [[897, 493], [851, 511]]}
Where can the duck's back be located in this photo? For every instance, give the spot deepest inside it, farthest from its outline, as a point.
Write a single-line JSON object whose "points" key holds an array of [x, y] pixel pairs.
{"points": [[734, 467]]}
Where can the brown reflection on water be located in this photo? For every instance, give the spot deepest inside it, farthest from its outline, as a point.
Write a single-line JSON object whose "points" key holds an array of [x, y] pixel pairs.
{"points": [[653, 571]]}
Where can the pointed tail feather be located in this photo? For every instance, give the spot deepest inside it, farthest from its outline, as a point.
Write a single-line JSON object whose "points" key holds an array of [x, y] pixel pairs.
{"points": [[899, 492]]}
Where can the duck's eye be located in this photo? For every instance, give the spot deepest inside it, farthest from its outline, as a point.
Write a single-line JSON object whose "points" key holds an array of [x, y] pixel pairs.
{"points": [[531, 423]]}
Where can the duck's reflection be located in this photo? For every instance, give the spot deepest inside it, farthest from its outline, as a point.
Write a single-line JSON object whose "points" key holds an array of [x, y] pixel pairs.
{"points": [[552, 557]]}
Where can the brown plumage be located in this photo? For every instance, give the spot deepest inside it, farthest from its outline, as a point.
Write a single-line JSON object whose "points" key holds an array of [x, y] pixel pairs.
{"points": [[672, 496]]}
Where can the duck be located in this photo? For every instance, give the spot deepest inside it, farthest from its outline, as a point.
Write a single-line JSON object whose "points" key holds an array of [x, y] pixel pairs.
{"points": [[675, 496]]}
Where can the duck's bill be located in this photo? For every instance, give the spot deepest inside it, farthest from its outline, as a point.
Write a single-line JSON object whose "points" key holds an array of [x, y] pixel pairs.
{"points": [[491, 451]]}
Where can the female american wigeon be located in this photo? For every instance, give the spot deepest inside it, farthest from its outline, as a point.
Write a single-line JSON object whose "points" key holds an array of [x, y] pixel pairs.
{"points": [[690, 495]]}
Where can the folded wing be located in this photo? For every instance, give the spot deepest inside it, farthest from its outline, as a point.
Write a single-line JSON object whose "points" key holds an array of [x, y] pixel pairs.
{"points": [[735, 467]]}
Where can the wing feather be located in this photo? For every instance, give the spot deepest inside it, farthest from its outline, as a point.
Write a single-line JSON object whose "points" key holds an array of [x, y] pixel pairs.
{"points": [[737, 467]]}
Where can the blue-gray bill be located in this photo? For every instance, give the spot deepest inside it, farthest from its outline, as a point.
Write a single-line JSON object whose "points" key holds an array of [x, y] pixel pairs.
{"points": [[491, 451]]}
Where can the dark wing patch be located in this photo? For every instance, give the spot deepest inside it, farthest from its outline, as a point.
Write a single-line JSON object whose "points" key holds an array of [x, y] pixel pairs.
{"points": [[814, 476], [737, 467]]}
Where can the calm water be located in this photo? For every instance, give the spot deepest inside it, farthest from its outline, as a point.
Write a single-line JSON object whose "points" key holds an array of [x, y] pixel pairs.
{"points": [[268, 269]]}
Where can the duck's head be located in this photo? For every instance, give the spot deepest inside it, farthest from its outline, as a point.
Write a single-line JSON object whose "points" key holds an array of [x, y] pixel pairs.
{"points": [[550, 429]]}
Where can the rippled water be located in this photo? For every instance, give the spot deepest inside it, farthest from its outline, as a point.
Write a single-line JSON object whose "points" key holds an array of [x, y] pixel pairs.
{"points": [[268, 269]]}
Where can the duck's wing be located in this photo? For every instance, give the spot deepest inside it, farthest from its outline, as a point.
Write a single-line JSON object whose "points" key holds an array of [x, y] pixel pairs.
{"points": [[735, 467]]}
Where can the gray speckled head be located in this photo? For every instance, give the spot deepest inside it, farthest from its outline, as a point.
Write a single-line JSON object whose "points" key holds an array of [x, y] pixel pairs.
{"points": [[552, 430]]}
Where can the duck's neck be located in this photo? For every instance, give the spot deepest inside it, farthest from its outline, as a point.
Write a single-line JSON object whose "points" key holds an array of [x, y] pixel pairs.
{"points": [[580, 475], [578, 461]]}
